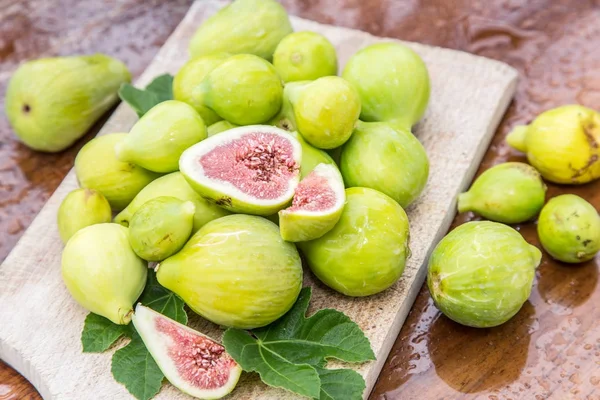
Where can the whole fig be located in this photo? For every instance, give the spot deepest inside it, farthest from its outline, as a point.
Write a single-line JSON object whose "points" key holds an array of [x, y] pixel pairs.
{"points": [[219, 127], [81, 208], [311, 156], [305, 56]]}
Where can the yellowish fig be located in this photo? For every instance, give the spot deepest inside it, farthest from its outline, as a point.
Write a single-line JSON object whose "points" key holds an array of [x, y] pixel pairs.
{"points": [[81, 208]]}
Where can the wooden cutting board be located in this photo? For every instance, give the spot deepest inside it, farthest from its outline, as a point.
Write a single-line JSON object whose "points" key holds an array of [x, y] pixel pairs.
{"points": [[40, 325]]}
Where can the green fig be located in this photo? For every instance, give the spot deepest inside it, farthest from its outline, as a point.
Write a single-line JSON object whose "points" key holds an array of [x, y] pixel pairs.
{"points": [[245, 26], [190, 76], [174, 185], [244, 90], [219, 127], [305, 56], [392, 82], [161, 227], [481, 273], [102, 273], [236, 271], [311, 156], [562, 143], [511, 193], [569, 229], [81, 208], [157, 140], [389, 159], [97, 167], [52, 102], [366, 251]]}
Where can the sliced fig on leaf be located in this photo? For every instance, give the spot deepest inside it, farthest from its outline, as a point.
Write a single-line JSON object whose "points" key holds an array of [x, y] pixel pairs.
{"points": [[192, 362], [250, 169], [317, 205]]}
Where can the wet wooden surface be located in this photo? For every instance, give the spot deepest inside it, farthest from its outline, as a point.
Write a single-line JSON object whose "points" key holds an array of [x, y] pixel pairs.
{"points": [[551, 349]]}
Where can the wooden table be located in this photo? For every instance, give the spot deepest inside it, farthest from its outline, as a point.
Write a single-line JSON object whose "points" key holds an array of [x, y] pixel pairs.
{"points": [[551, 349]]}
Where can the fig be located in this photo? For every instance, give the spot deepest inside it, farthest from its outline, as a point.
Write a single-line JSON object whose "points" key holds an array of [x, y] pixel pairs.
{"points": [[102, 273], [316, 207], [245, 26], [235, 271], [219, 127], [97, 167], [562, 143], [52, 102], [257, 90], [511, 193], [81, 208], [161, 227], [392, 82], [385, 158], [190, 76], [191, 361], [324, 111], [157, 140], [305, 56], [366, 251], [569, 229], [311, 156], [251, 169], [481, 273], [173, 185]]}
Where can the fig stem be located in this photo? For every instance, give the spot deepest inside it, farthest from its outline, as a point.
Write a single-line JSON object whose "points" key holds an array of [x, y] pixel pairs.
{"points": [[464, 202], [516, 138]]}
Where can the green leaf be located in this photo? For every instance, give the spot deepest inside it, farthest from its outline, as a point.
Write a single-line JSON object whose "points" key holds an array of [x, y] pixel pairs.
{"points": [[100, 333], [290, 352], [159, 90], [163, 300], [134, 367]]}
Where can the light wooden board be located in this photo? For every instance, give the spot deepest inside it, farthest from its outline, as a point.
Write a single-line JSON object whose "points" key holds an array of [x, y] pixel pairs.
{"points": [[40, 324]]}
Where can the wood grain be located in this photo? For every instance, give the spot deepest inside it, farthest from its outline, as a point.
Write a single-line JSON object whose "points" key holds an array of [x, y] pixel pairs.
{"points": [[455, 132]]}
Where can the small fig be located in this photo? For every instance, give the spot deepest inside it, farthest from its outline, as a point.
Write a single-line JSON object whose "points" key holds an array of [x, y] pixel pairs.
{"points": [[97, 167], [102, 272], [562, 143], [245, 26], [481, 273], [81, 208], [569, 229], [392, 82], [190, 76], [219, 127], [52, 102], [161, 227], [366, 251], [511, 193], [157, 140], [235, 271], [305, 56], [257, 90], [173, 185], [385, 158]]}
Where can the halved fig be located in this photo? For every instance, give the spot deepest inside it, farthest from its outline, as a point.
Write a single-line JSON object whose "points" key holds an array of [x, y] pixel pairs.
{"points": [[250, 169], [192, 362], [317, 205]]}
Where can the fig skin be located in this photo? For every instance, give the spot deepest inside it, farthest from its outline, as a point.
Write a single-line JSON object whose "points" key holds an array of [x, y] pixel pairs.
{"points": [[569, 229], [159, 138], [175, 185], [102, 273], [245, 26], [190, 76], [305, 56], [219, 127], [366, 251], [235, 271], [481, 273], [97, 167], [562, 144], [510, 193], [392, 82], [385, 158], [81, 208], [161, 227], [52, 102], [257, 87]]}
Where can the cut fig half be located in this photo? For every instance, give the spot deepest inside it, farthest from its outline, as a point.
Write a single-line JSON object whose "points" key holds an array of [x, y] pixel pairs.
{"points": [[250, 169], [192, 362], [316, 207]]}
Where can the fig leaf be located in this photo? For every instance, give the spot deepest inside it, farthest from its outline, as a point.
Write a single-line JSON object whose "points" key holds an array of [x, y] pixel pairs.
{"points": [[159, 90], [100, 333], [291, 352]]}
